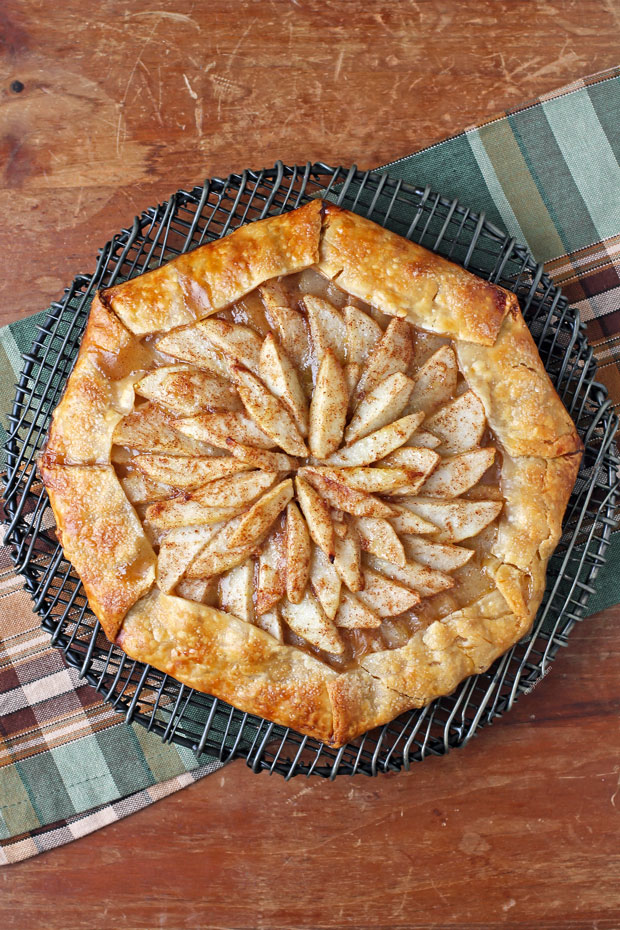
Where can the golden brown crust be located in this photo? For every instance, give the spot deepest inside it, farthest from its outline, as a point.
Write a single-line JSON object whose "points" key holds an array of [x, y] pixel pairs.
{"points": [[361, 702], [99, 391], [102, 537], [403, 279], [200, 282], [536, 491], [521, 404], [435, 660], [215, 652], [198, 645]]}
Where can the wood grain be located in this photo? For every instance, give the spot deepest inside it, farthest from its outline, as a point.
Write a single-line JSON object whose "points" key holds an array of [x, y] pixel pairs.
{"points": [[108, 107], [519, 829], [124, 103]]}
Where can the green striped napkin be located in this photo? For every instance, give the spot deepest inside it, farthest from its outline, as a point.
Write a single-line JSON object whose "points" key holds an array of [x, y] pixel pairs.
{"points": [[549, 174]]}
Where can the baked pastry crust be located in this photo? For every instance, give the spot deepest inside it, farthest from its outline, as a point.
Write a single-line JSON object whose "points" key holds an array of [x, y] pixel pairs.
{"points": [[211, 649], [103, 538], [199, 283], [406, 280]]}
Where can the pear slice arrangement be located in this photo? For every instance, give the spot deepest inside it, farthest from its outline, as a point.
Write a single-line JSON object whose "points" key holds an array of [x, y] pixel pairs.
{"points": [[317, 506]]}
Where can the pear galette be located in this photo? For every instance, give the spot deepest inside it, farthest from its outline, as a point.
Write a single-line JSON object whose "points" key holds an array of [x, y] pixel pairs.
{"points": [[312, 469]]}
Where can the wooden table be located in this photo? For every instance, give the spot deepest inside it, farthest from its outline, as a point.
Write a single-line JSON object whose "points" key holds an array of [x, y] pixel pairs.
{"points": [[106, 108]]}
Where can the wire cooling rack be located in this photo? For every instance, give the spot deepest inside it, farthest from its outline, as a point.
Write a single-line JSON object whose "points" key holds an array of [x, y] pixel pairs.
{"points": [[200, 721]]}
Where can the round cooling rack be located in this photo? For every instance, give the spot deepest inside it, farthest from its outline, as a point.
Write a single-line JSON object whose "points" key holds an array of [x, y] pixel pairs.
{"points": [[200, 721]]}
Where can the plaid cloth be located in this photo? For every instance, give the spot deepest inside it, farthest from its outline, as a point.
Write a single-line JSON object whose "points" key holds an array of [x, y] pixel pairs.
{"points": [[547, 172], [68, 762]]}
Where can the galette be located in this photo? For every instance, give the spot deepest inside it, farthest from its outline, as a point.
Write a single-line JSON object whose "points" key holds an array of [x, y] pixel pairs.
{"points": [[312, 469]]}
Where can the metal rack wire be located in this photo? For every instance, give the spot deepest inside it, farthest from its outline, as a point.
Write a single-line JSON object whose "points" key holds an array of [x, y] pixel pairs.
{"points": [[200, 721]]}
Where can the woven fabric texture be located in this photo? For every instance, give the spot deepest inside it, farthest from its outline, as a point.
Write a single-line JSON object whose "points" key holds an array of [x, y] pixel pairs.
{"points": [[548, 173]]}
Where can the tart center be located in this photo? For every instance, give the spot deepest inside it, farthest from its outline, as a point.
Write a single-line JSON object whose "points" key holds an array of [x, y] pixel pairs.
{"points": [[314, 467]]}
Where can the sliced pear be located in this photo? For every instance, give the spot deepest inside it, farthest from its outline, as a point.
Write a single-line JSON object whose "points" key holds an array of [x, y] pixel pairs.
{"points": [[419, 465], [435, 382], [335, 491], [154, 534], [460, 424], [456, 520], [150, 428], [217, 428], [201, 590], [227, 496], [436, 555], [363, 334], [380, 538], [271, 583], [386, 597], [328, 408], [255, 523], [325, 582], [412, 488], [178, 550], [271, 623], [425, 439], [187, 390], [288, 323], [260, 458], [308, 620], [426, 344], [317, 515], [381, 406], [339, 521], [348, 559], [218, 499], [298, 553], [219, 555], [274, 293], [352, 373], [378, 444], [327, 328], [193, 345], [374, 480], [420, 578], [281, 378], [189, 472], [234, 490], [236, 588], [139, 489], [392, 353], [416, 460], [406, 521], [457, 474], [353, 614], [269, 414], [239, 344], [182, 511]]}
